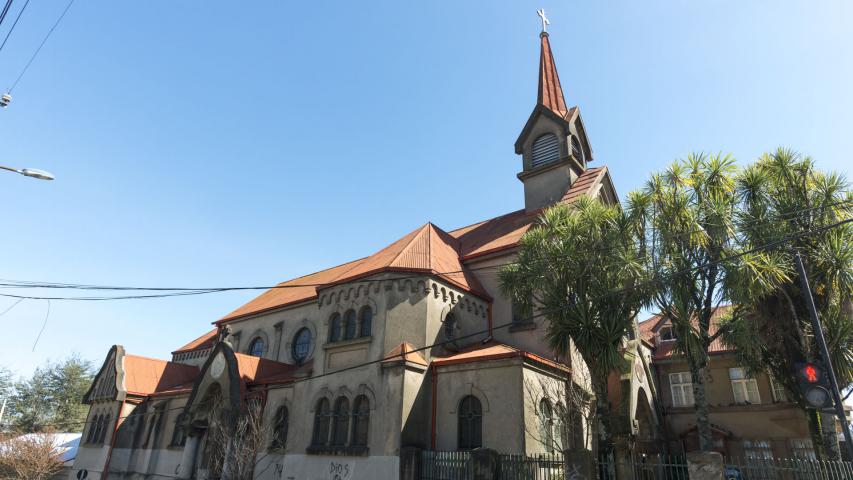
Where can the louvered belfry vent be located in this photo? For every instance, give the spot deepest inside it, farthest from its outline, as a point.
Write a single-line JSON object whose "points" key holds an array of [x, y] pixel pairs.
{"points": [[546, 149]]}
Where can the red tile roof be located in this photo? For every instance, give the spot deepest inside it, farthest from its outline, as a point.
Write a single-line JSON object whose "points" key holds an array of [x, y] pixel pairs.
{"points": [[550, 91], [144, 376], [427, 249], [495, 351], [663, 350], [201, 343], [260, 370], [405, 351]]}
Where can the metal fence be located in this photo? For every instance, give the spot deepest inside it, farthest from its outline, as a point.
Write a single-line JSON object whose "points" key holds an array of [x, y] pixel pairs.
{"points": [[643, 467], [787, 469], [531, 467], [445, 465]]}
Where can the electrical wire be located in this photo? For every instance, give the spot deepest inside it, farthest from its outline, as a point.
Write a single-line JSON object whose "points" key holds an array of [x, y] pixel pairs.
{"points": [[5, 11], [35, 54], [12, 28], [43, 325]]}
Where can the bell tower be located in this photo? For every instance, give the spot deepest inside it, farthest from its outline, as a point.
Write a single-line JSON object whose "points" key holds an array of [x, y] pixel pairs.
{"points": [[553, 144]]}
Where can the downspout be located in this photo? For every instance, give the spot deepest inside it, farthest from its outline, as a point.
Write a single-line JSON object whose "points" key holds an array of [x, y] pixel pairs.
{"points": [[434, 409], [490, 319], [106, 472]]}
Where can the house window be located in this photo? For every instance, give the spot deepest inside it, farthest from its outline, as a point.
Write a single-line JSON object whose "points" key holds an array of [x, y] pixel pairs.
{"points": [[546, 420], [257, 347], [546, 149], [349, 324], [450, 326], [360, 421], [322, 418], [778, 389], [802, 449], [518, 316], [667, 334], [179, 435], [94, 425], [470, 423], [105, 425], [757, 450], [681, 386], [301, 345], [366, 321], [279, 438], [335, 327], [577, 151], [341, 422], [745, 388]]}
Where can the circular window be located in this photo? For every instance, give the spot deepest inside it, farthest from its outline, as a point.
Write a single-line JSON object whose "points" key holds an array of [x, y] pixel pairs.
{"points": [[301, 345], [257, 347]]}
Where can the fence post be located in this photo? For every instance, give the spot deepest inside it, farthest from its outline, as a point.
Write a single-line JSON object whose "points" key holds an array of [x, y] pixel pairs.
{"points": [[409, 463], [484, 464], [577, 464], [705, 466]]}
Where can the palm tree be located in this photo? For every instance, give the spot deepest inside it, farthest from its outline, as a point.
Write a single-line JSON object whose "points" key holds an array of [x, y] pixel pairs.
{"points": [[580, 268], [686, 221], [783, 195]]}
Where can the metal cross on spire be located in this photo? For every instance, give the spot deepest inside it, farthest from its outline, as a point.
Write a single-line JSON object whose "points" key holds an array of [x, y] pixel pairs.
{"points": [[545, 22]]}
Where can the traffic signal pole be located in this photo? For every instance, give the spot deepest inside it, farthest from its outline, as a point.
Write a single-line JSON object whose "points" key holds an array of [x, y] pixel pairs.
{"points": [[824, 353]]}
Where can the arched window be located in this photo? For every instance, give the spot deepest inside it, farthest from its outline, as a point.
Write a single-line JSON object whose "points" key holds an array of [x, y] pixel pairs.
{"points": [[335, 327], [546, 149], [93, 429], [546, 421], [450, 326], [577, 151], [301, 345], [578, 441], [105, 425], [350, 324], [279, 435], [366, 321], [322, 417], [179, 435], [341, 427], [257, 347], [561, 433], [360, 421], [470, 423]]}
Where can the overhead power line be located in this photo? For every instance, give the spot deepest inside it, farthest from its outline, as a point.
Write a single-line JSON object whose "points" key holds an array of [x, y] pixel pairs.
{"points": [[12, 28], [35, 54]]}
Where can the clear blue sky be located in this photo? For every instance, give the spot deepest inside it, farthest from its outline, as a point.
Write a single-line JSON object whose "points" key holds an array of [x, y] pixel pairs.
{"points": [[203, 143]]}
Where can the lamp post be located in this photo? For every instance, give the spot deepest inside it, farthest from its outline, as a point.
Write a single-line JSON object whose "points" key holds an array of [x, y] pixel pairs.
{"points": [[30, 172]]}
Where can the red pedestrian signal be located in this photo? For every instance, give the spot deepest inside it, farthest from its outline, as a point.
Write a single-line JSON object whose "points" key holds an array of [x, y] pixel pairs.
{"points": [[813, 385], [810, 373]]}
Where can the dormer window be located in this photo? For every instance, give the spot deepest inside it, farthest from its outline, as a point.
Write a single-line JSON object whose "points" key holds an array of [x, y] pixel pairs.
{"points": [[577, 151], [667, 334], [546, 149]]}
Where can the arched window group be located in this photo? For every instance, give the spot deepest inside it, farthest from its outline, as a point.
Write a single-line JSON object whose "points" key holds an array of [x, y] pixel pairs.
{"points": [[282, 423], [554, 431], [470, 416], [343, 426], [349, 325], [98, 428]]}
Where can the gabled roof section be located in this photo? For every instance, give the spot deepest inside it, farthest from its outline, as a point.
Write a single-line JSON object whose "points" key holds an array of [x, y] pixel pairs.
{"points": [[550, 91], [201, 343], [649, 328], [405, 352], [495, 351], [255, 370], [585, 184], [145, 376]]}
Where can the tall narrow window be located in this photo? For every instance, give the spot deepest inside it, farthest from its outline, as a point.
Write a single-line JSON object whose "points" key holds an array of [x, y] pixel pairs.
{"points": [[322, 418], [282, 420], [778, 389], [681, 386], [94, 426], [470, 423], [577, 151], [450, 326], [104, 429], [546, 149], [546, 420], [179, 435], [350, 324], [257, 347], [341, 427], [360, 421], [561, 430], [335, 327], [366, 321], [744, 387]]}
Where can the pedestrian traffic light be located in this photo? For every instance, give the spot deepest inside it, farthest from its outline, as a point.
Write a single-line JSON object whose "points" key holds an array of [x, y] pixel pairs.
{"points": [[813, 384]]}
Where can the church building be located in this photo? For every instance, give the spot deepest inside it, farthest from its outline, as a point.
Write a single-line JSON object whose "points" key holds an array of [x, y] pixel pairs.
{"points": [[336, 373]]}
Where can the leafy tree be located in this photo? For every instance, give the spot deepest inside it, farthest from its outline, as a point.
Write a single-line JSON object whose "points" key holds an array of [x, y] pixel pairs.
{"points": [[52, 396], [686, 220], [783, 195], [580, 268]]}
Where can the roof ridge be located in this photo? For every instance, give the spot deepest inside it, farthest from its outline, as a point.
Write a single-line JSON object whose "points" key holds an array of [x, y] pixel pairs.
{"points": [[418, 232]]}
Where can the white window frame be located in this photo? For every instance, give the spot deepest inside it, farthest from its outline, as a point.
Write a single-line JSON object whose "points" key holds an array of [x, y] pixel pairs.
{"points": [[742, 384], [671, 334], [778, 391], [677, 383]]}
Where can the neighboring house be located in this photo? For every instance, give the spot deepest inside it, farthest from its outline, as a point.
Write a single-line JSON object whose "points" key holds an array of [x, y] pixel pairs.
{"points": [[65, 444], [373, 316], [751, 416]]}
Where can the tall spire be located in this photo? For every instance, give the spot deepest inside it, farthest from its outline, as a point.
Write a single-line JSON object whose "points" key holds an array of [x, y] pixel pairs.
{"points": [[550, 91]]}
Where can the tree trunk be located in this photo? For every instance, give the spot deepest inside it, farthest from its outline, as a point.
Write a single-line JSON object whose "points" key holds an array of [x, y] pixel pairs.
{"points": [[603, 416], [698, 368]]}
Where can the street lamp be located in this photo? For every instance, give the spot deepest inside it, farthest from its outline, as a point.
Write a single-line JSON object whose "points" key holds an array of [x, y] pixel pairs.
{"points": [[30, 172]]}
